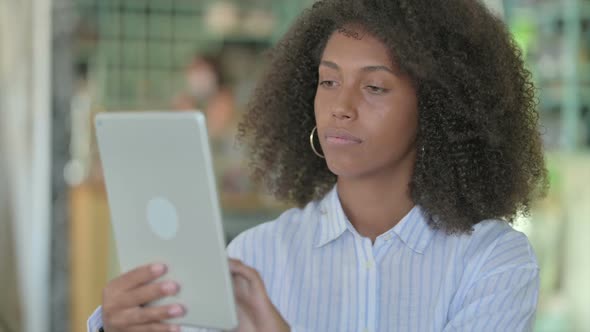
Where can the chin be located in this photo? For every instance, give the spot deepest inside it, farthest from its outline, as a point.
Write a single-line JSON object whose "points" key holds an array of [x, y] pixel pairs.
{"points": [[345, 168]]}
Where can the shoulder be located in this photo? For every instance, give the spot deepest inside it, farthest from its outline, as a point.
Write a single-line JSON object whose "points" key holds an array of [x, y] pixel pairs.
{"points": [[497, 239], [495, 247], [295, 223], [498, 278]]}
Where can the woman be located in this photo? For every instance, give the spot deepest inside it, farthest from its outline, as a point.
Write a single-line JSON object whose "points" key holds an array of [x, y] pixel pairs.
{"points": [[428, 148]]}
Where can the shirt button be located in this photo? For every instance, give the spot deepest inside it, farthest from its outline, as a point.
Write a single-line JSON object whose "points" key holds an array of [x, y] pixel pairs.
{"points": [[387, 237], [365, 330], [369, 264]]}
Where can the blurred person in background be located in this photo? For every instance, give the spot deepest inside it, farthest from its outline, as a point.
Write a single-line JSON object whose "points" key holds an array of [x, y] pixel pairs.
{"points": [[207, 91], [406, 132]]}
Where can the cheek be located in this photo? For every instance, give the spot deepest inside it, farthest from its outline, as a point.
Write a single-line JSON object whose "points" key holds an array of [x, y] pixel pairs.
{"points": [[394, 126], [321, 107]]}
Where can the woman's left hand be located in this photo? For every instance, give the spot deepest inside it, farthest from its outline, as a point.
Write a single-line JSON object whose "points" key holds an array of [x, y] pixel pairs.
{"points": [[256, 313]]}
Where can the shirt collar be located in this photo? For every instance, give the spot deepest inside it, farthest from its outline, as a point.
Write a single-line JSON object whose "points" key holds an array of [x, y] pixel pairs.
{"points": [[332, 221], [413, 230]]}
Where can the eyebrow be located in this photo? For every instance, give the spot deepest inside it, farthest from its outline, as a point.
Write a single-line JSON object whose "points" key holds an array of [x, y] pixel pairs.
{"points": [[332, 65]]}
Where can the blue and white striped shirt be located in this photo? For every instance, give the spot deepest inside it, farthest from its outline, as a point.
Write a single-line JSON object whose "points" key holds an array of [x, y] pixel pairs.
{"points": [[323, 276]]}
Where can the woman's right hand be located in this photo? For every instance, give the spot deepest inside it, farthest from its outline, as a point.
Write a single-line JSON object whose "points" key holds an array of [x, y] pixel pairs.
{"points": [[124, 298]]}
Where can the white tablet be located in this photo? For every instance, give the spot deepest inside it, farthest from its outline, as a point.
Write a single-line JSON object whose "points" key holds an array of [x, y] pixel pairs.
{"points": [[164, 207]]}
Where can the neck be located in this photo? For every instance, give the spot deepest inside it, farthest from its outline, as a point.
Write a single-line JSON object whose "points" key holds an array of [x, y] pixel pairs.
{"points": [[375, 204]]}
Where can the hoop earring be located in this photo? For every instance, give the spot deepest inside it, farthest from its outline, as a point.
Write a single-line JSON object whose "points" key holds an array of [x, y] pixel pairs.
{"points": [[312, 145]]}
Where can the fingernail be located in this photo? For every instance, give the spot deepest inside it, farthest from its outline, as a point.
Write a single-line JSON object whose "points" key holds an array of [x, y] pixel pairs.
{"points": [[176, 310], [158, 268], [169, 287]]}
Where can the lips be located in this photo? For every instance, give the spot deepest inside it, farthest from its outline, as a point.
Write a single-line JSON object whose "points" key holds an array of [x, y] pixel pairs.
{"points": [[340, 136]]}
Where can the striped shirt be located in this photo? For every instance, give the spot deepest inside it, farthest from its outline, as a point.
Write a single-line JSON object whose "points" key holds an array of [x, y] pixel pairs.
{"points": [[322, 275]]}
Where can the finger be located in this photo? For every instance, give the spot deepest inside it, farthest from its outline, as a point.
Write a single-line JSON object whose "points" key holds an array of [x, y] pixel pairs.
{"points": [[137, 277], [146, 315], [158, 327], [242, 288], [251, 275], [147, 293]]}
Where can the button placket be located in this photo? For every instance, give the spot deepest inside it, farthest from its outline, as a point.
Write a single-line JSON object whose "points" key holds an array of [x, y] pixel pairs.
{"points": [[371, 281], [369, 264]]}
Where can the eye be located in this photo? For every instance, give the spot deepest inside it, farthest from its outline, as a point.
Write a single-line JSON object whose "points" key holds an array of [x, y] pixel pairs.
{"points": [[376, 90], [328, 84]]}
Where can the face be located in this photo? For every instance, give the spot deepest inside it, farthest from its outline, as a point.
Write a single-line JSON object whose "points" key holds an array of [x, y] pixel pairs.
{"points": [[202, 80], [366, 110]]}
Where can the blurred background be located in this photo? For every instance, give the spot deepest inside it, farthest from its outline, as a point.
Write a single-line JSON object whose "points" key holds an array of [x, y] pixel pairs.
{"points": [[63, 61]]}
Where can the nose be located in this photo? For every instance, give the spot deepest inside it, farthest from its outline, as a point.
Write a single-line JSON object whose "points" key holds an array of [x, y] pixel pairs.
{"points": [[344, 107]]}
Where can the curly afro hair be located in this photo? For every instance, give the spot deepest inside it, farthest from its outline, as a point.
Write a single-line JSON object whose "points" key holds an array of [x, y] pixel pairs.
{"points": [[479, 155]]}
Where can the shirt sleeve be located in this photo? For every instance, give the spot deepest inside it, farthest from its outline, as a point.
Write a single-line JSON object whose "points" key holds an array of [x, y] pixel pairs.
{"points": [[504, 295], [94, 322]]}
